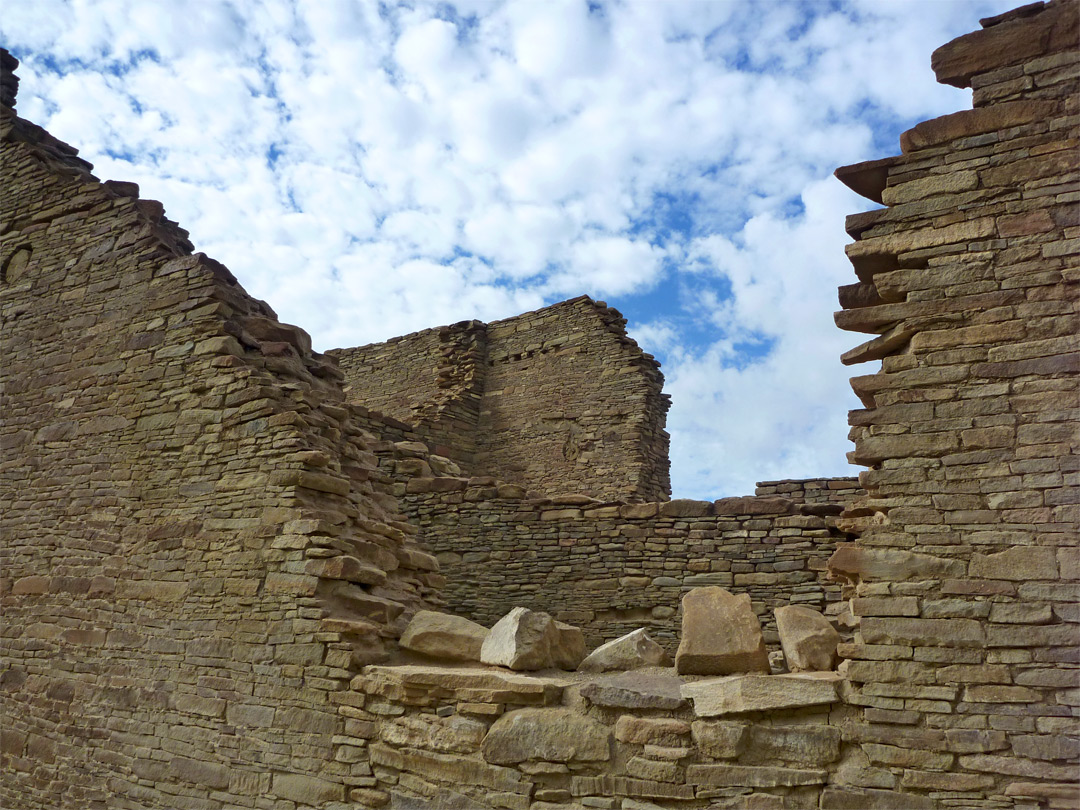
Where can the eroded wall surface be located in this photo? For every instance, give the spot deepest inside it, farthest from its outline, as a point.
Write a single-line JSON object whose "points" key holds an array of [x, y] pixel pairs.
{"points": [[610, 567], [559, 400], [198, 551]]}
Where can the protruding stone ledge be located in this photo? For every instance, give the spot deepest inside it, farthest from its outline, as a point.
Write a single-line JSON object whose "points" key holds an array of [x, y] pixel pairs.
{"points": [[1011, 40], [869, 177], [758, 693], [421, 685]]}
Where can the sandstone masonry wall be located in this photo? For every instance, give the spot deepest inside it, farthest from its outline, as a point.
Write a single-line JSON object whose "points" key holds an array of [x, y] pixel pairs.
{"points": [[610, 568], [431, 379], [198, 549], [201, 543], [822, 491], [559, 400], [965, 576]]}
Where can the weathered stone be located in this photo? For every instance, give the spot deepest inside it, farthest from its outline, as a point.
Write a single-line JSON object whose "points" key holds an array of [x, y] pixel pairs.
{"points": [[304, 789], [552, 735], [201, 773], [807, 638], [720, 739], [452, 735], [567, 646], [720, 634], [755, 693], [441, 635], [635, 690], [450, 768], [752, 776], [861, 564], [622, 786], [650, 730], [426, 683], [632, 651], [807, 745], [924, 632], [847, 798], [641, 768], [1022, 563], [521, 640]]}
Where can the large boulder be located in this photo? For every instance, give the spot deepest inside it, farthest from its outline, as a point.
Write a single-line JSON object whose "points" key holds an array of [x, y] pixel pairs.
{"points": [[720, 634], [632, 651], [441, 635], [521, 640], [808, 639]]}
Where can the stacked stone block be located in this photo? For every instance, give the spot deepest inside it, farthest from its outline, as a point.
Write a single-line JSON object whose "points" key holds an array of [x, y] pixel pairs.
{"points": [[965, 576], [611, 566]]}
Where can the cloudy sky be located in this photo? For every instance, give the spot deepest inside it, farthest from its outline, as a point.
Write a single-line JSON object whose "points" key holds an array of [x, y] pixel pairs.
{"points": [[371, 169]]}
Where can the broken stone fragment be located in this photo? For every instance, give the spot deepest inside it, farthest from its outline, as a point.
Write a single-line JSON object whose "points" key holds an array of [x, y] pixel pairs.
{"points": [[720, 634], [441, 635], [567, 646], [807, 638], [632, 651], [521, 640]]}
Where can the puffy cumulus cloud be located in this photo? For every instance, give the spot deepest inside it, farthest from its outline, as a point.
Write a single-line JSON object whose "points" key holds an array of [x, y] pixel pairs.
{"points": [[375, 168]]}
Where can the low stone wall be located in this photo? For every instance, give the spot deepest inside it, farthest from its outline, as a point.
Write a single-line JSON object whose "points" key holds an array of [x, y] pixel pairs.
{"points": [[839, 491], [436, 737], [611, 567]]}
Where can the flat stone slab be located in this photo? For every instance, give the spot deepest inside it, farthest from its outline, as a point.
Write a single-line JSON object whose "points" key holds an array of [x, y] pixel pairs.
{"points": [[636, 690], [758, 693], [420, 685]]}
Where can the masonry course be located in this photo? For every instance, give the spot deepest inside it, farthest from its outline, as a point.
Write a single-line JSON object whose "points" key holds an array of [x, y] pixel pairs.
{"points": [[210, 549]]}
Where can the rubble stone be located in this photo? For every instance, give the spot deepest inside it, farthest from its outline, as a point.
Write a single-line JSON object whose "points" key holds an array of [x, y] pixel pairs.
{"points": [[441, 635], [720, 634]]}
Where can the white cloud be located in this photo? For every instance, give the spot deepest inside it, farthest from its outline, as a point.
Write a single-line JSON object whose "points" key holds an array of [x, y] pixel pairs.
{"points": [[373, 169]]}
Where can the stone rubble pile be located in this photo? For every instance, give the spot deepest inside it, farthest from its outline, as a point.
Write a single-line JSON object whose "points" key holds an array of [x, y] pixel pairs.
{"points": [[721, 636]]}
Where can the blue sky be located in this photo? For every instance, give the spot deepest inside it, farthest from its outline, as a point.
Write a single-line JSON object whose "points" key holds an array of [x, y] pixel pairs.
{"points": [[371, 169]]}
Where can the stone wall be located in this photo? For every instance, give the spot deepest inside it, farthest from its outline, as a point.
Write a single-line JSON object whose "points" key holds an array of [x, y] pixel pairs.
{"points": [[965, 576], [606, 566], [441, 737], [821, 491], [201, 542], [431, 379], [198, 550], [559, 400]]}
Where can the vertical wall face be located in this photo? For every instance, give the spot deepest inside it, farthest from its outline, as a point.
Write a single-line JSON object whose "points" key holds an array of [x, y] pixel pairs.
{"points": [[966, 572], [432, 380], [559, 400], [197, 551], [571, 405]]}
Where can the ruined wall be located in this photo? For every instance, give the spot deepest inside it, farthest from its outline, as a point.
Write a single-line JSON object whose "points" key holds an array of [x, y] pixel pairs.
{"points": [[431, 379], [559, 400], [959, 688], [822, 492], [572, 405], [198, 551], [611, 567], [966, 572]]}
